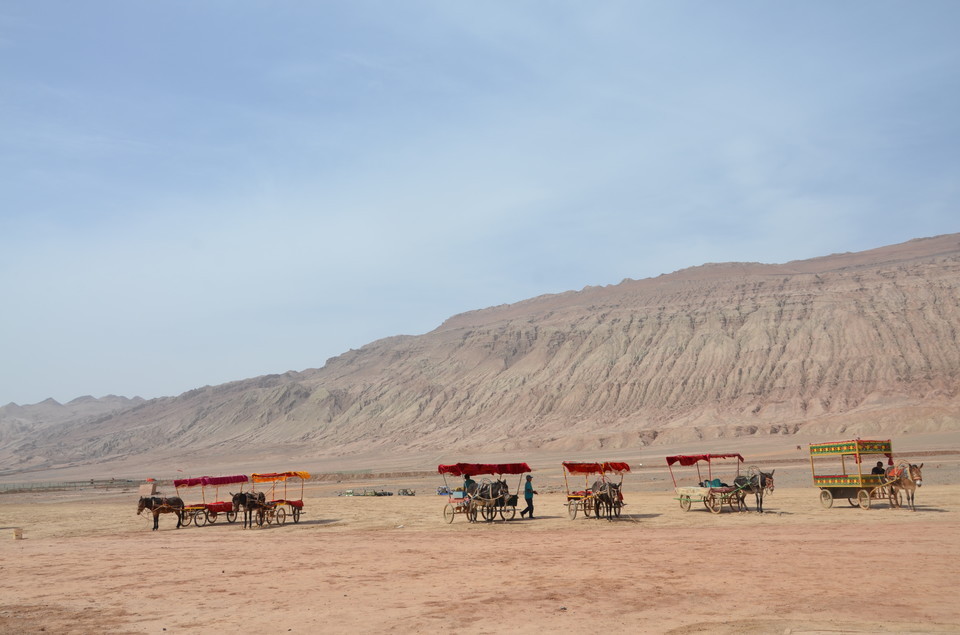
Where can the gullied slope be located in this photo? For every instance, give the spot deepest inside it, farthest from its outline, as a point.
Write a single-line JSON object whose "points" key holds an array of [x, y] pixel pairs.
{"points": [[849, 343]]}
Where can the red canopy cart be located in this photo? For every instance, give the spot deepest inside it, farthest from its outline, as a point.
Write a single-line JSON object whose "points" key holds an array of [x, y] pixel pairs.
{"points": [[203, 512], [487, 498], [588, 499], [712, 492]]}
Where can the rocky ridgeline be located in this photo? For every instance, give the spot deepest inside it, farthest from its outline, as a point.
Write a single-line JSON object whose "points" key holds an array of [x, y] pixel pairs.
{"points": [[844, 344]]}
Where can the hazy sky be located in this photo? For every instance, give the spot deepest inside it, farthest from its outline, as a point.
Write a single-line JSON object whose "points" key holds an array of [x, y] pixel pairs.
{"points": [[197, 192]]}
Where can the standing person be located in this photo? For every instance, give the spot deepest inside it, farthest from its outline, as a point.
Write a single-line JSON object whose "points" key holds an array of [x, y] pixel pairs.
{"points": [[528, 493]]}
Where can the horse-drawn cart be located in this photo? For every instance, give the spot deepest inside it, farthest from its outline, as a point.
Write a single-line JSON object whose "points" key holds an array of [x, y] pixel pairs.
{"points": [[710, 491], [486, 499], [279, 505], [602, 496], [849, 481], [203, 512]]}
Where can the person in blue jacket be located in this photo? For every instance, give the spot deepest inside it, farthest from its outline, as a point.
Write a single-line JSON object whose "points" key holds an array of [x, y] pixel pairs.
{"points": [[528, 493]]}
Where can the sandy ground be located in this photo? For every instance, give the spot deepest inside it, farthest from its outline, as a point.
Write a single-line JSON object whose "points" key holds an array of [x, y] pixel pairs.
{"points": [[87, 563]]}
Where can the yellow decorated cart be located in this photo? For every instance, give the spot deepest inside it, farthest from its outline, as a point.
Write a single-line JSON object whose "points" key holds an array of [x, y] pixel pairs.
{"points": [[838, 470]]}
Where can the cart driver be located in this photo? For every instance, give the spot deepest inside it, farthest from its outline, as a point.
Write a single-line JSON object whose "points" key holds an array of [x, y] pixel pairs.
{"points": [[879, 469], [468, 484]]}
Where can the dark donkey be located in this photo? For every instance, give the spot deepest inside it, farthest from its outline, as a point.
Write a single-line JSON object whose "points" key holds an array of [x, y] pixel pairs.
{"points": [[607, 499], [161, 505], [248, 502], [758, 482], [489, 497]]}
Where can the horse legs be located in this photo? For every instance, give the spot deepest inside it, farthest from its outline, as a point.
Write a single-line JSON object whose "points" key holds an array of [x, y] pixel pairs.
{"points": [[156, 520], [179, 514]]}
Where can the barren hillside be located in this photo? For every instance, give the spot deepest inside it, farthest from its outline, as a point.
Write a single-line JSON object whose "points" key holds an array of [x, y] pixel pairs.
{"points": [[843, 344]]}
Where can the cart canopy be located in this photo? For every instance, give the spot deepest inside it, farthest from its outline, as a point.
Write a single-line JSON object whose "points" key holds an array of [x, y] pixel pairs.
{"points": [[210, 480], [473, 469], [225, 480], [577, 467], [273, 477], [189, 482], [855, 448], [691, 459]]}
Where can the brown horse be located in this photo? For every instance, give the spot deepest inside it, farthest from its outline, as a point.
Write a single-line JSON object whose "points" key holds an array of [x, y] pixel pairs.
{"points": [[161, 505], [906, 477]]}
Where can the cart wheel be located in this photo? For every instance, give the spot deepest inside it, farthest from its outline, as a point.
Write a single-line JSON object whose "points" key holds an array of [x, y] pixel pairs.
{"points": [[826, 498], [211, 517], [714, 503], [863, 497], [587, 509], [853, 502], [261, 516], [281, 516], [296, 515], [685, 503], [508, 513], [895, 499], [572, 510], [735, 502], [200, 518], [448, 513], [231, 517], [269, 515], [187, 519]]}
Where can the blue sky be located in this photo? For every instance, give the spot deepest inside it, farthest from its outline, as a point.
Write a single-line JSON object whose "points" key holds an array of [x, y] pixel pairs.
{"points": [[197, 192]]}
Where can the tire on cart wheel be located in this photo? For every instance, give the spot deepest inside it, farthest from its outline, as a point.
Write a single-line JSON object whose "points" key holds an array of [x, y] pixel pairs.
{"points": [[448, 513], [587, 508], [863, 497], [714, 503], [826, 498], [685, 502], [281, 516], [200, 518], [296, 515], [212, 517], [572, 509], [508, 513], [853, 502], [896, 500], [231, 517], [187, 519]]}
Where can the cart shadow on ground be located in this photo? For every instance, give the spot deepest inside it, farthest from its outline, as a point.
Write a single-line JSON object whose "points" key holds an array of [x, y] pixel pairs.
{"points": [[320, 521]]}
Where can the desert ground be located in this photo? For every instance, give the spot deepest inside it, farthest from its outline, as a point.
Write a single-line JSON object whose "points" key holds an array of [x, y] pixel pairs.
{"points": [[87, 563]]}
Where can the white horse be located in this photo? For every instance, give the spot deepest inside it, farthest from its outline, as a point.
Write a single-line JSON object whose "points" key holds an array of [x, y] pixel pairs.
{"points": [[906, 477]]}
